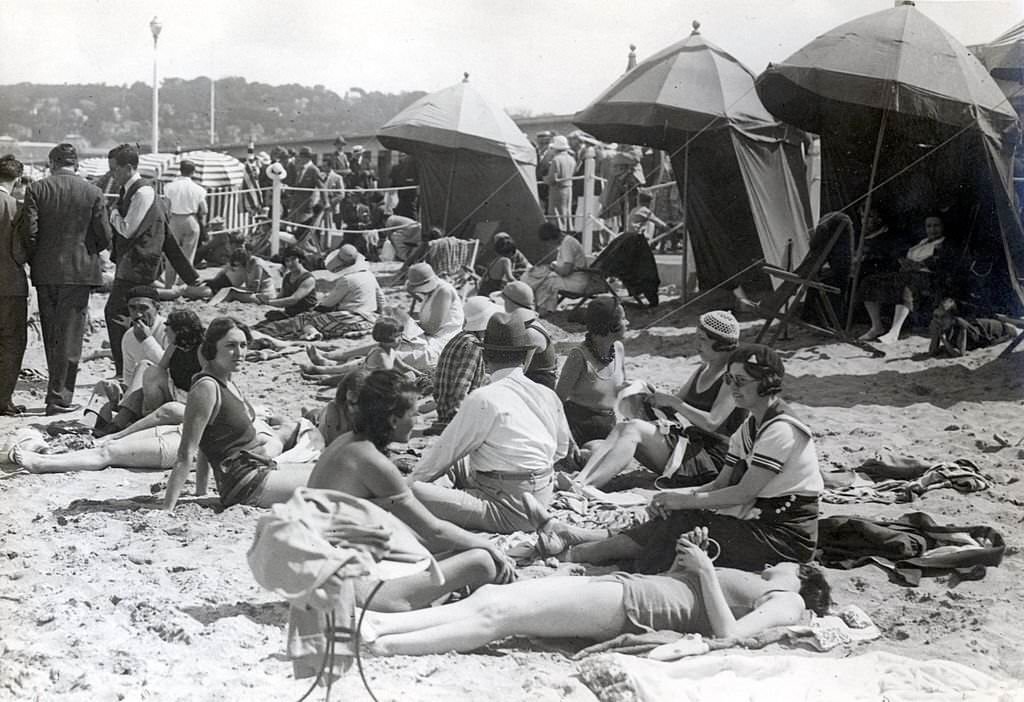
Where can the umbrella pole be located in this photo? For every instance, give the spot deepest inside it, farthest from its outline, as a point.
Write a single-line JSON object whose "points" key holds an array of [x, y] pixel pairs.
{"points": [[855, 269], [448, 195], [686, 230]]}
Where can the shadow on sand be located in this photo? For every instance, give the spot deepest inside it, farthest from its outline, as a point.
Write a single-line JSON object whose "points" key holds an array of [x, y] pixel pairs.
{"points": [[130, 504]]}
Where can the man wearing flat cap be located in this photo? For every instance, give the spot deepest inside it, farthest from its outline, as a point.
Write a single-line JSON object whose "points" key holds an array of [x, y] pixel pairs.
{"points": [[511, 432], [65, 228]]}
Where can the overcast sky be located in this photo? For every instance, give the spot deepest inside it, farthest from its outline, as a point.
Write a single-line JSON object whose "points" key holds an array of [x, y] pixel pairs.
{"points": [[526, 54]]}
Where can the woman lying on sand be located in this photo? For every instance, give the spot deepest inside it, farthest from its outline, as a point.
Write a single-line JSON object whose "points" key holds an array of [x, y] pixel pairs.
{"points": [[693, 597], [219, 421], [762, 508], [704, 400], [356, 464], [141, 446]]}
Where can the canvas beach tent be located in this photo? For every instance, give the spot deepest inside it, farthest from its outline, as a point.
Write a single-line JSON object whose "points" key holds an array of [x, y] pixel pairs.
{"points": [[477, 171], [911, 121], [740, 172]]}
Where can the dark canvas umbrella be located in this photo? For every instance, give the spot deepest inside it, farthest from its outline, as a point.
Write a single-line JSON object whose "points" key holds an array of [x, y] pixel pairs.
{"points": [[474, 165], [893, 71], [1004, 55], [736, 165]]}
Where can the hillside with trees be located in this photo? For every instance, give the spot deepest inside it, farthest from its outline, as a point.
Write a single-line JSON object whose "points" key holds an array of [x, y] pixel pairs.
{"points": [[105, 115]]}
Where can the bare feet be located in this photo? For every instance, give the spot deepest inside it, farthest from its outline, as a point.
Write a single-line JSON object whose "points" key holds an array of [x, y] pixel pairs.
{"points": [[314, 356], [22, 458], [871, 334], [889, 338]]}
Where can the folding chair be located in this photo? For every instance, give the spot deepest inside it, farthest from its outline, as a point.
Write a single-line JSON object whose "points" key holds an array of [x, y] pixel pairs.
{"points": [[453, 259], [1017, 340], [795, 285]]}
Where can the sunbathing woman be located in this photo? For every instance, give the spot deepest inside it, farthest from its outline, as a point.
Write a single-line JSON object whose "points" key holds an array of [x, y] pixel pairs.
{"points": [[219, 421], [693, 597], [152, 447], [338, 416], [594, 372], [356, 464], [762, 508], [704, 401]]}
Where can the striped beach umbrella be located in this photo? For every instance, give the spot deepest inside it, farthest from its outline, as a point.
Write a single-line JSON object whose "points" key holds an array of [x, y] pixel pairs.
{"points": [[94, 167], [154, 165], [213, 170]]}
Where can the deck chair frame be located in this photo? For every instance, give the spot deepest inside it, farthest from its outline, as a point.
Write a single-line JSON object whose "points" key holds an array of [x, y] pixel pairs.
{"points": [[795, 284]]}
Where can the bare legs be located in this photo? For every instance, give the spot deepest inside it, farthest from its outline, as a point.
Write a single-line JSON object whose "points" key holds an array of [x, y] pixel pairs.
{"points": [[471, 569], [168, 413], [281, 483], [877, 328], [554, 607], [635, 438], [153, 448]]}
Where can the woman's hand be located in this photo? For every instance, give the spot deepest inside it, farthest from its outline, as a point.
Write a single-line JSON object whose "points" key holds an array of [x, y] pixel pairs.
{"points": [[505, 566], [261, 298], [691, 554], [662, 504]]}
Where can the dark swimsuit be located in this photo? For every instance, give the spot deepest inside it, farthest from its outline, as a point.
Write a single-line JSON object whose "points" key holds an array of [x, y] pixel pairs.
{"points": [[229, 442]]}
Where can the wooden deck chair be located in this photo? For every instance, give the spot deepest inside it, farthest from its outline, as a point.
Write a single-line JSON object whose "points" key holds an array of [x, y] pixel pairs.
{"points": [[795, 285], [597, 285], [453, 259]]}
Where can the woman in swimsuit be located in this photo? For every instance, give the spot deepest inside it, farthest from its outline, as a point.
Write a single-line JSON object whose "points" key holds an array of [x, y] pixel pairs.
{"points": [[594, 372], [219, 421], [704, 401], [356, 463], [693, 597]]}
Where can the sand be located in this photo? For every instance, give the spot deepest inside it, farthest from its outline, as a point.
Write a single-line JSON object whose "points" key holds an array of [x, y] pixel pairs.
{"points": [[105, 596]]}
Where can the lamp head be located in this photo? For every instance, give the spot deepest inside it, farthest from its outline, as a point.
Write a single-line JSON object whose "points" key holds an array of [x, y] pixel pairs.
{"points": [[155, 26]]}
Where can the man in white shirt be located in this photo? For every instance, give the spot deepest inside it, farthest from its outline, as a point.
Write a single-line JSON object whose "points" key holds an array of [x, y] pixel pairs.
{"points": [[187, 222], [145, 338], [511, 431]]}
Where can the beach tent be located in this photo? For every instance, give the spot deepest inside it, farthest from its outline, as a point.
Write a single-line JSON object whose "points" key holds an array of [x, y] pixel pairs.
{"points": [[475, 167], [740, 172], [911, 121]]}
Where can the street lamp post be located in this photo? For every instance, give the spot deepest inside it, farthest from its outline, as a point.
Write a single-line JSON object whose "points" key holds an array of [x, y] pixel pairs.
{"points": [[155, 26]]}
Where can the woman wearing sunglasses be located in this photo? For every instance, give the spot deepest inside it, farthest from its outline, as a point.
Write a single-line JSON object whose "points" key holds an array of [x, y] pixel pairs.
{"points": [[761, 509]]}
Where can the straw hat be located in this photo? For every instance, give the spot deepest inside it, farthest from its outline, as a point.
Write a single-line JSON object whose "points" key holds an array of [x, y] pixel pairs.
{"points": [[421, 279], [559, 143], [478, 310]]}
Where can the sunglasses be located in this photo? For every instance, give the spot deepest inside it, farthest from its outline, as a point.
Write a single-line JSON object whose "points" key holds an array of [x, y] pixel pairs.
{"points": [[731, 379]]}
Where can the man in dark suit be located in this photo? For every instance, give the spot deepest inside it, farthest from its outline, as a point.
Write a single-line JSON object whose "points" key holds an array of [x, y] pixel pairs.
{"points": [[65, 228], [13, 289], [304, 203]]}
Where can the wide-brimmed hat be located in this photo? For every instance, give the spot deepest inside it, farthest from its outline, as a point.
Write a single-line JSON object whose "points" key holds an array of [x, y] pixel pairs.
{"points": [[506, 332], [559, 143], [518, 293], [478, 310], [342, 257], [421, 278]]}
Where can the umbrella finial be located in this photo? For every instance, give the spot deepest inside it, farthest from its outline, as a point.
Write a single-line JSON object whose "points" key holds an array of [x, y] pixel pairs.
{"points": [[465, 77], [900, 3], [696, 27], [631, 59]]}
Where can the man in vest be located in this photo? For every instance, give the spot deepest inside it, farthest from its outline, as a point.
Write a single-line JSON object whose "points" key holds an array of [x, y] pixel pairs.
{"points": [[65, 230], [139, 223], [543, 366]]}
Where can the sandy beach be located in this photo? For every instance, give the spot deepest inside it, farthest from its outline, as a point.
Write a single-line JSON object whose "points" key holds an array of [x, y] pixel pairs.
{"points": [[105, 596]]}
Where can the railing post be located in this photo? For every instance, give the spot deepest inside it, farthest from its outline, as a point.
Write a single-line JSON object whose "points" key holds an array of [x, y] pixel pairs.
{"points": [[277, 174], [589, 161]]}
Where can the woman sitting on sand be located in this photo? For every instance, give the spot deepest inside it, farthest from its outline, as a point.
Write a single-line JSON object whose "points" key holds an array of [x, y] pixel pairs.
{"points": [[594, 372], [338, 416], [219, 421], [692, 597], [704, 401], [356, 464], [762, 508]]}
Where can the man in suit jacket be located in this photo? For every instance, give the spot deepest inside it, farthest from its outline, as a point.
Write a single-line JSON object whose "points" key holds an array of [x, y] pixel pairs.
{"points": [[305, 202], [65, 228], [13, 289]]}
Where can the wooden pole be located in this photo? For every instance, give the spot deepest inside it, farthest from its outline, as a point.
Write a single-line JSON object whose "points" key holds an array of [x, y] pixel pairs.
{"points": [[589, 168], [686, 230], [277, 175], [855, 268]]}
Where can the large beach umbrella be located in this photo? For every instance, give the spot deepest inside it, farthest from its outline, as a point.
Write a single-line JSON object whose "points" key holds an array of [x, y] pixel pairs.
{"points": [[93, 167], [476, 168], [213, 170], [154, 165], [1004, 59], [895, 83], [740, 171]]}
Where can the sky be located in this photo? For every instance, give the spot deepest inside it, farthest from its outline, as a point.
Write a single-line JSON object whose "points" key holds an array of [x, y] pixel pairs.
{"points": [[527, 55]]}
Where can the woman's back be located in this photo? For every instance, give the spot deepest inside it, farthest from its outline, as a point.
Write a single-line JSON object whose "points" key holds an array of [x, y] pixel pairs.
{"points": [[356, 467]]}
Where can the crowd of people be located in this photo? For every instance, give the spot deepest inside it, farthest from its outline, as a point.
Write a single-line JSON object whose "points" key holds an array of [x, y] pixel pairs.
{"points": [[735, 466]]}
